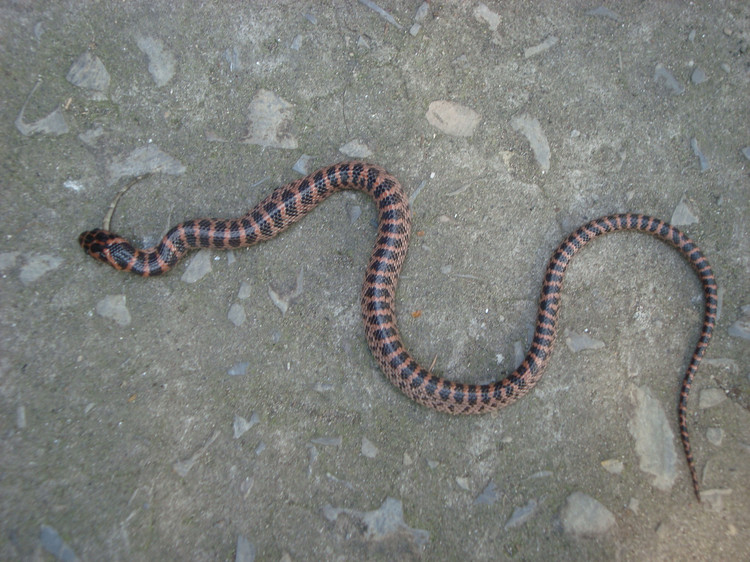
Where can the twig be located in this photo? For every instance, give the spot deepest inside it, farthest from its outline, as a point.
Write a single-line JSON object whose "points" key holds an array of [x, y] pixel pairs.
{"points": [[111, 210], [383, 14]]}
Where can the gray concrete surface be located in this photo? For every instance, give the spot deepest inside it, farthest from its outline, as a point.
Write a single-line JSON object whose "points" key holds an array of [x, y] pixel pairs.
{"points": [[123, 435]]}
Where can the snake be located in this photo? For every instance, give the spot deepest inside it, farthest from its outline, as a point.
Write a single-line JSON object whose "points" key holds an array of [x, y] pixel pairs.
{"points": [[290, 202]]}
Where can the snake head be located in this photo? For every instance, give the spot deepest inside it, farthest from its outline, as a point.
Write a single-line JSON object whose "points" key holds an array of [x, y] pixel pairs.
{"points": [[106, 247]]}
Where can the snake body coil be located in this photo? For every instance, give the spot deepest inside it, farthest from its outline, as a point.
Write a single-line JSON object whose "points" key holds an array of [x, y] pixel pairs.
{"points": [[289, 203]]}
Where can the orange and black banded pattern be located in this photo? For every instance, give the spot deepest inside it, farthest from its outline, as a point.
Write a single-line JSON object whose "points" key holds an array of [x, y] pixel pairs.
{"points": [[289, 203]]}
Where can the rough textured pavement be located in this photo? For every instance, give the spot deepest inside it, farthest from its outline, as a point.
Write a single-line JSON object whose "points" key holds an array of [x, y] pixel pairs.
{"points": [[231, 410]]}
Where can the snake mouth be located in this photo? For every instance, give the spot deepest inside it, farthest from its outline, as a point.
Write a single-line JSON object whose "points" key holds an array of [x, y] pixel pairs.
{"points": [[97, 243], [91, 242]]}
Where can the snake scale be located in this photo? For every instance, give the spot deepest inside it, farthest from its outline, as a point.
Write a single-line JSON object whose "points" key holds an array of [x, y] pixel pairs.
{"points": [[289, 203]]}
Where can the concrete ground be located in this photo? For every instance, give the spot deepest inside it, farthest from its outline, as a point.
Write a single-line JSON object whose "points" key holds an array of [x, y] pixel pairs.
{"points": [[186, 417]]}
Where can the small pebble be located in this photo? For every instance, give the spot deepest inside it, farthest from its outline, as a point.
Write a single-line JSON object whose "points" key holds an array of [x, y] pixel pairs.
{"points": [[356, 149], [664, 77], [715, 498], [8, 260], [583, 516], [489, 495], [38, 265], [73, 185], [237, 315], [283, 301], [21, 417], [604, 12], [279, 302], [144, 160], [355, 211], [198, 267], [238, 369], [247, 486], [368, 449], [634, 505], [378, 525], [245, 290], [113, 307], [241, 425], [345, 483], [452, 118], [682, 215], [302, 165], [245, 551], [269, 122], [613, 466], [530, 128], [521, 515], [548, 43], [161, 63], [232, 56], [422, 12], [312, 454], [741, 327], [88, 72], [578, 342], [698, 76], [654, 439], [52, 542], [715, 436], [711, 397], [322, 387], [52, 124], [702, 160], [327, 441], [483, 14]]}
